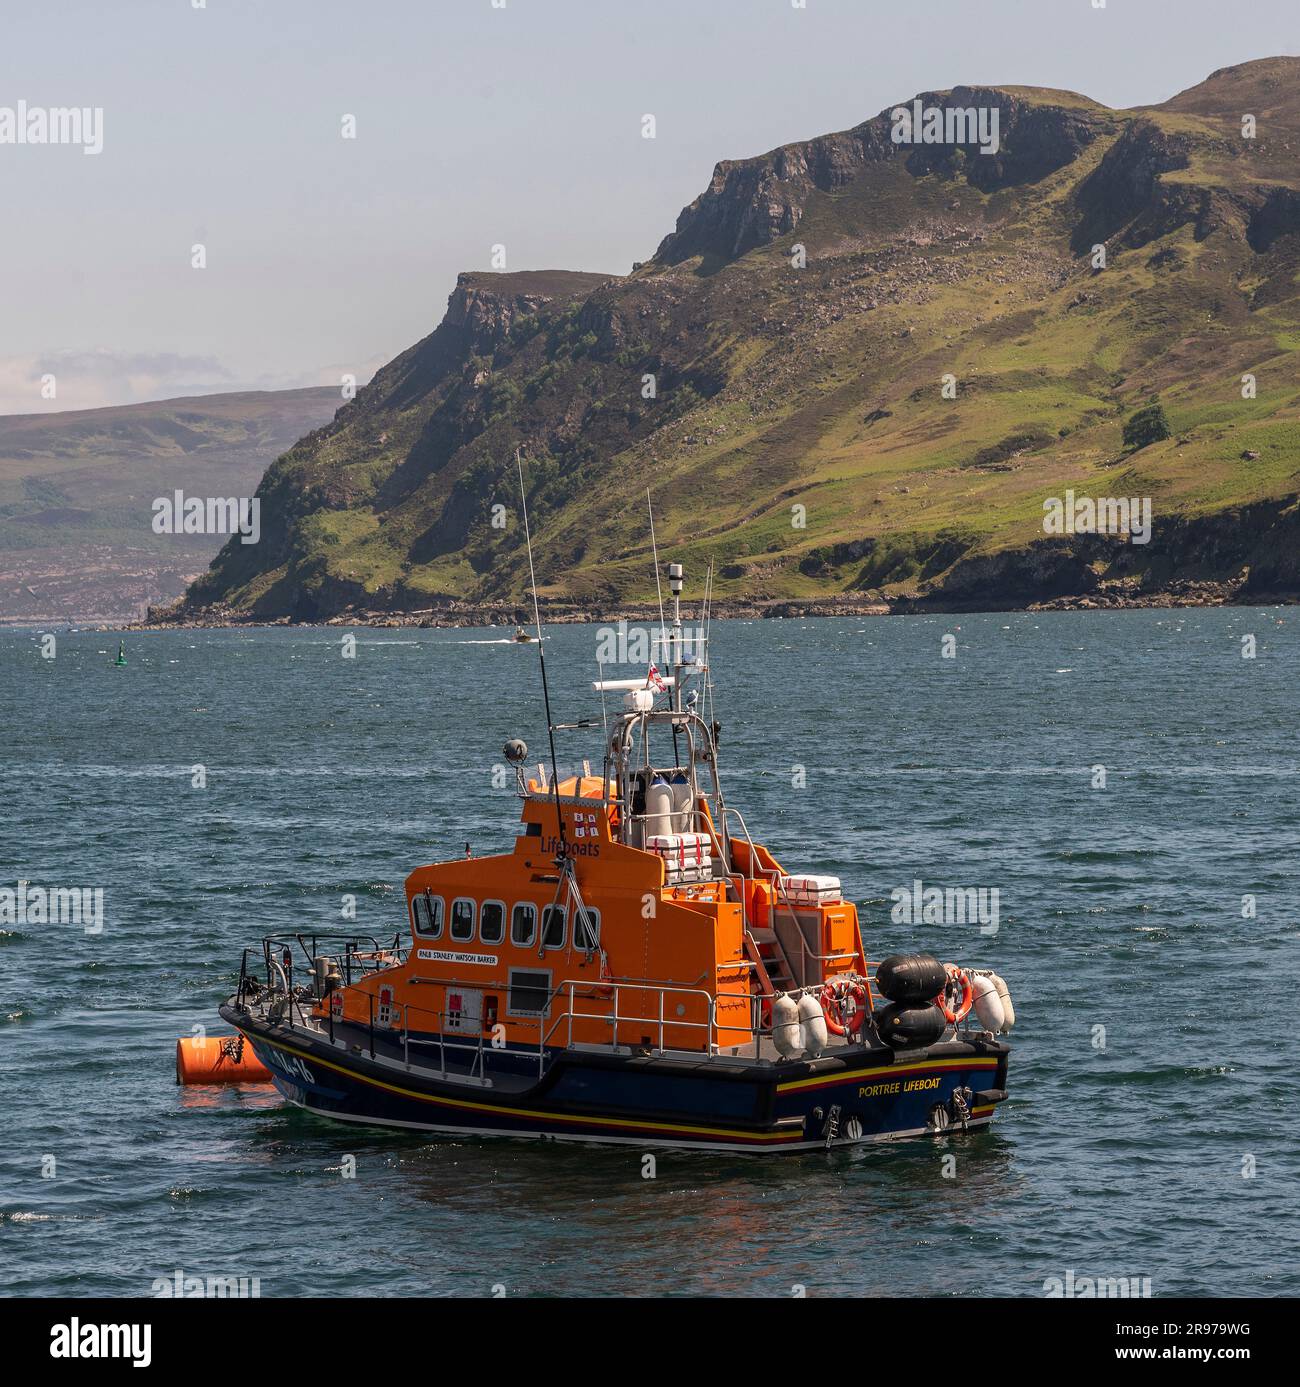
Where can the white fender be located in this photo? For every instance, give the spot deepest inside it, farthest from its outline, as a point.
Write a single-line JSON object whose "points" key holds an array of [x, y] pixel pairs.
{"points": [[1004, 996], [658, 808], [787, 1029], [814, 1025], [988, 1005]]}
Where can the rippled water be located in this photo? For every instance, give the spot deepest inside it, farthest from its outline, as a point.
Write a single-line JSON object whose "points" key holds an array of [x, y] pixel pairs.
{"points": [[1120, 1154]]}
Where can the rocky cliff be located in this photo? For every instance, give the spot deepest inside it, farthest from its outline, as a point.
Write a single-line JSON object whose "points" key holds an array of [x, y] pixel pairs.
{"points": [[884, 412]]}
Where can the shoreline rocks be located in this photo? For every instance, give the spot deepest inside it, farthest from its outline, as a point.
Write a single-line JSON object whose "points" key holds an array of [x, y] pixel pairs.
{"points": [[1112, 595]]}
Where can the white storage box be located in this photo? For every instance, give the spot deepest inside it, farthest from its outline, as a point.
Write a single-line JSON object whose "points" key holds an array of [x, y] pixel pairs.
{"points": [[811, 890], [686, 849], [687, 856]]}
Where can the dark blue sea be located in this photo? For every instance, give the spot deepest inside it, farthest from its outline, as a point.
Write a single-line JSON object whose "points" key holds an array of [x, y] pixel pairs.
{"points": [[1152, 1126]]}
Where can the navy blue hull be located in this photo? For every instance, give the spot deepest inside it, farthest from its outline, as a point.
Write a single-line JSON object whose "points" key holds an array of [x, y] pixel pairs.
{"points": [[856, 1094]]}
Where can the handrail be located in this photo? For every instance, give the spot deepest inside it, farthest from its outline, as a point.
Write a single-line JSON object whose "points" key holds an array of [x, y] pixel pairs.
{"points": [[614, 1019], [575, 996], [728, 809], [573, 992], [290, 1000]]}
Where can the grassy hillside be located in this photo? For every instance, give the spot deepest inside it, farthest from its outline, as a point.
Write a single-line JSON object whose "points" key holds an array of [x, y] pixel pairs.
{"points": [[799, 433], [76, 490]]}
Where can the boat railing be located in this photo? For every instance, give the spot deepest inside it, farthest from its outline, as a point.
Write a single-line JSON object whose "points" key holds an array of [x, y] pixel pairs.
{"points": [[609, 993], [608, 1010], [603, 1003], [740, 1002], [673, 1011], [472, 1047], [432, 1029], [284, 996], [409, 1025], [728, 809], [349, 952]]}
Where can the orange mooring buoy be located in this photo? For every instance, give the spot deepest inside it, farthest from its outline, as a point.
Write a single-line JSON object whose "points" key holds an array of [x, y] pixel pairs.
{"points": [[218, 1059]]}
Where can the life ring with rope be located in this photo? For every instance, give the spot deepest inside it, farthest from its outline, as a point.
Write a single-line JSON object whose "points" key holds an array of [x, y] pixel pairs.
{"points": [[958, 981], [844, 1005]]}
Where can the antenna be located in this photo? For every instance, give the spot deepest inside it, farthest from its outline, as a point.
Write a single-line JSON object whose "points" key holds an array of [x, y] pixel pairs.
{"points": [[724, 827], [600, 684], [663, 626], [708, 626], [541, 659], [675, 587]]}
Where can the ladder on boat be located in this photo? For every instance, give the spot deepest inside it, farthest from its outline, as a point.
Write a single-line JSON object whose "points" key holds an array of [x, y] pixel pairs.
{"points": [[764, 950]]}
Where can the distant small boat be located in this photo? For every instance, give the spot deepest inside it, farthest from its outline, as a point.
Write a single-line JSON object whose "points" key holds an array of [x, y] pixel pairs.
{"points": [[121, 653], [522, 636]]}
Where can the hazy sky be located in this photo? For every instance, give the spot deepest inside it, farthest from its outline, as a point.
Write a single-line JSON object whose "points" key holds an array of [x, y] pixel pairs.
{"points": [[474, 125]]}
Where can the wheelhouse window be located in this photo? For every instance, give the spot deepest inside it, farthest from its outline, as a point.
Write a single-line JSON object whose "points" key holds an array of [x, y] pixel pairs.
{"points": [[426, 914], [492, 922], [462, 919], [586, 929], [553, 923], [523, 925], [530, 993]]}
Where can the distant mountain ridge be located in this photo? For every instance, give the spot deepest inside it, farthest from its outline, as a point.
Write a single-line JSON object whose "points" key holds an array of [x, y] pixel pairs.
{"points": [[77, 486], [790, 415]]}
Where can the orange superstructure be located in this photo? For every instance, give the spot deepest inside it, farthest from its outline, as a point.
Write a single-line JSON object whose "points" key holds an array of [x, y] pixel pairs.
{"points": [[490, 937]]}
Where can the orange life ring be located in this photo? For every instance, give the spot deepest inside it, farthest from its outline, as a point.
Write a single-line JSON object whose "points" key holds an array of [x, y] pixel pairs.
{"points": [[835, 997], [957, 977]]}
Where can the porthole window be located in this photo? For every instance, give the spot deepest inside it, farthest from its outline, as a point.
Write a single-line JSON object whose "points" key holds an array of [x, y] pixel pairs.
{"points": [[462, 920], [523, 925], [426, 914], [553, 927], [492, 922], [586, 930]]}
